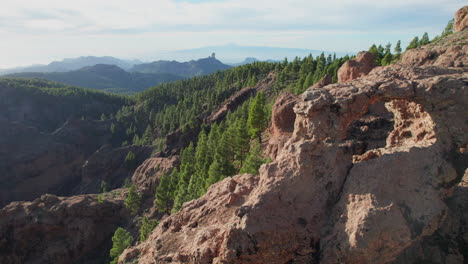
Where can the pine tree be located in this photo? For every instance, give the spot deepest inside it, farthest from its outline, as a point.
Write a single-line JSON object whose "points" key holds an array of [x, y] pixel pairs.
{"points": [[413, 44], [254, 159], [103, 186], [424, 40], [146, 227], [257, 116], [216, 171], [147, 137], [121, 240], [448, 29], [163, 195], [132, 202], [308, 82], [387, 59], [130, 160], [398, 48]]}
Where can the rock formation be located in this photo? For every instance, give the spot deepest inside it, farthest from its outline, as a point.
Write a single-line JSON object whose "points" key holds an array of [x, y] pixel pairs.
{"points": [[34, 163], [353, 69], [147, 175], [461, 19], [366, 176], [58, 230]]}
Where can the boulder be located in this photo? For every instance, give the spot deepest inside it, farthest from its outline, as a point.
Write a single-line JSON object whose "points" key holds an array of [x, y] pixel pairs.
{"points": [[358, 67], [461, 19]]}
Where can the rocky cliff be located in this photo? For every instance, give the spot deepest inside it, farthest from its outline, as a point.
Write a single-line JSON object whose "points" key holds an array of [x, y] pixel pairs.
{"points": [[370, 173], [55, 229]]}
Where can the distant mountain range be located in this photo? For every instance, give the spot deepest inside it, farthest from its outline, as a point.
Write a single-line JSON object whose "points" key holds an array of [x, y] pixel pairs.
{"points": [[233, 54], [105, 77], [184, 69], [250, 60], [113, 78], [71, 64]]}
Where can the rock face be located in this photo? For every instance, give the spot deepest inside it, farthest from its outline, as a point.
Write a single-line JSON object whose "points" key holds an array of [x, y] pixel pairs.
{"points": [[282, 123], [55, 229], [108, 164], [461, 19], [33, 163], [446, 52], [147, 175], [353, 69], [365, 177]]}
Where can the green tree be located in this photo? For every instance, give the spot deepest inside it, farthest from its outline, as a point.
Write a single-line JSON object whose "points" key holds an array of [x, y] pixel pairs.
{"points": [[448, 29], [254, 159], [163, 195], [387, 59], [257, 116], [130, 160], [132, 202], [413, 44], [147, 137], [146, 227], [424, 40], [103, 186], [398, 48], [121, 240], [103, 117]]}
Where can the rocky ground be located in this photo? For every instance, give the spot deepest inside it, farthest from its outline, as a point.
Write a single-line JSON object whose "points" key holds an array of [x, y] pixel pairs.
{"points": [[374, 171]]}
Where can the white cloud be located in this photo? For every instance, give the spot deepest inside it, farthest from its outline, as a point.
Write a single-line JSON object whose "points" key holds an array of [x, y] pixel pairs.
{"points": [[173, 24]]}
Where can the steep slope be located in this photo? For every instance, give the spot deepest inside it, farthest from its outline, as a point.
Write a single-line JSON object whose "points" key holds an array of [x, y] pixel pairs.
{"points": [[54, 229], [45, 143], [364, 177], [185, 69], [104, 77]]}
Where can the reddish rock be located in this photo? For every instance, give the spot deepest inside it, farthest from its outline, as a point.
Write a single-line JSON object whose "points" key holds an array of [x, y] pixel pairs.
{"points": [[282, 122], [147, 175], [353, 69], [336, 192], [53, 229], [326, 80], [447, 52], [265, 85], [461, 19], [230, 105]]}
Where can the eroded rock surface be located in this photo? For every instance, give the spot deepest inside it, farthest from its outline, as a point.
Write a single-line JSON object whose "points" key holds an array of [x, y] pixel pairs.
{"points": [[461, 19], [364, 178], [58, 230], [353, 69]]}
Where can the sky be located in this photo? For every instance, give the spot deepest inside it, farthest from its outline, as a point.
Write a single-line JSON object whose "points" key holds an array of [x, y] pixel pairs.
{"points": [[40, 31]]}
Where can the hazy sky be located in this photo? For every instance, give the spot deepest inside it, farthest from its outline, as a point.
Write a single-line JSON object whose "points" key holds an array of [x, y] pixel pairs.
{"points": [[39, 31]]}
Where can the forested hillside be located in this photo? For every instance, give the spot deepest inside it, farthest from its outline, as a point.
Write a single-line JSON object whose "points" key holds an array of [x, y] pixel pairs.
{"points": [[47, 105], [104, 77]]}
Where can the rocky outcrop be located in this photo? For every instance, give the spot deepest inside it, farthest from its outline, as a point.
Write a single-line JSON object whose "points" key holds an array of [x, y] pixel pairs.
{"points": [[282, 123], [265, 85], [364, 178], [461, 19], [446, 52], [147, 175], [358, 67], [58, 230], [108, 164], [230, 105], [326, 80]]}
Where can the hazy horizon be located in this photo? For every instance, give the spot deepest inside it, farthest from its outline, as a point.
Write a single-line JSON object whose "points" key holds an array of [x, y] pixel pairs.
{"points": [[39, 32]]}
